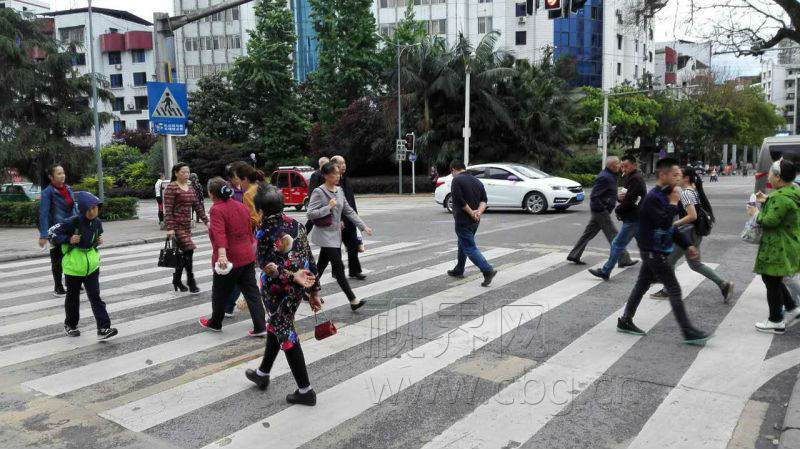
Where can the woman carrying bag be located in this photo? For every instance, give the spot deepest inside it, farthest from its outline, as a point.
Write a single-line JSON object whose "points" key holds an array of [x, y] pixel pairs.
{"points": [[325, 209], [179, 201], [288, 278], [232, 260], [779, 251]]}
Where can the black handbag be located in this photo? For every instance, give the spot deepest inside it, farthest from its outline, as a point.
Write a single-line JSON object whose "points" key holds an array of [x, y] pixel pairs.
{"points": [[171, 255], [704, 222], [324, 222]]}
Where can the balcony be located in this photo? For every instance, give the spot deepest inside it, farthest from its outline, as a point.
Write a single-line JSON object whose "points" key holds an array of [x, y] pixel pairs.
{"points": [[138, 40], [112, 42]]}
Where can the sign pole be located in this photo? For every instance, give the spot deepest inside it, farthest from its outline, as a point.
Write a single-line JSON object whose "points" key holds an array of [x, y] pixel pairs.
{"points": [[100, 187]]}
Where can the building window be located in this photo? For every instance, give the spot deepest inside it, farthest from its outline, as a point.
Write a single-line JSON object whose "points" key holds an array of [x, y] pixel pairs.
{"points": [[190, 44], [619, 69], [619, 42], [520, 37], [140, 79], [435, 27], [79, 59], [636, 71], [619, 17], [597, 40], [484, 25], [651, 56], [521, 10], [651, 34], [119, 104], [234, 41], [141, 102], [114, 57], [388, 29], [484, 1], [116, 80], [595, 13], [119, 126], [636, 45], [71, 35], [137, 56], [232, 14], [388, 3], [564, 39], [215, 42], [143, 125]]}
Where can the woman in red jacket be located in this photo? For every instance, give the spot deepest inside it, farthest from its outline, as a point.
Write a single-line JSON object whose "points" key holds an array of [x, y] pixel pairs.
{"points": [[232, 244]]}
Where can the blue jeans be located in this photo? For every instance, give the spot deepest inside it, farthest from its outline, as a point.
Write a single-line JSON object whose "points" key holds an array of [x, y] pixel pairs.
{"points": [[467, 248], [626, 233]]}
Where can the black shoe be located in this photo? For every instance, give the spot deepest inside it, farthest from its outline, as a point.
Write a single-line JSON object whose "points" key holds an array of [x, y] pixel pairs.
{"points": [[261, 381], [727, 291], [576, 261], [628, 264], [308, 398], [59, 291], [455, 274], [193, 289], [599, 273], [105, 334], [358, 276], [696, 337], [356, 306], [71, 331], [487, 278], [177, 284], [626, 325]]}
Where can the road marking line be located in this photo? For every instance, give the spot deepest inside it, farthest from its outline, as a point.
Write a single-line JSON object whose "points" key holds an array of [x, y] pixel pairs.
{"points": [[354, 396], [161, 407], [572, 369]]}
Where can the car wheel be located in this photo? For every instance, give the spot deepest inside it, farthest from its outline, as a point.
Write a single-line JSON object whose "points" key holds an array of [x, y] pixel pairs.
{"points": [[298, 207], [304, 206], [448, 203], [534, 203]]}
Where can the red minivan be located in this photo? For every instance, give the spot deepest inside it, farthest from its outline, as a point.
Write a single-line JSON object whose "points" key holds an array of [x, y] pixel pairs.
{"points": [[293, 182]]}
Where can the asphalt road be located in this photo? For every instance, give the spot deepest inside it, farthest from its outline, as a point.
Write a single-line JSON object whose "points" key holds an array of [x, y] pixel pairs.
{"points": [[532, 362]]}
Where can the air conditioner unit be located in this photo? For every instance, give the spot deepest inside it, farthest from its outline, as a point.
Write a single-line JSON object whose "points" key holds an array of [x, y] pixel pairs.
{"points": [[130, 107], [118, 66], [521, 20]]}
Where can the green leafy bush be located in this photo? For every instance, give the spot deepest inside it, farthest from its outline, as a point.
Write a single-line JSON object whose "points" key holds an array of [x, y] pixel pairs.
{"points": [[585, 179], [89, 184], [27, 214], [388, 184], [116, 159]]}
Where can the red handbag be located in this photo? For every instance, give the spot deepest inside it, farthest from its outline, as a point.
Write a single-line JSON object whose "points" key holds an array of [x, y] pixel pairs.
{"points": [[325, 329]]}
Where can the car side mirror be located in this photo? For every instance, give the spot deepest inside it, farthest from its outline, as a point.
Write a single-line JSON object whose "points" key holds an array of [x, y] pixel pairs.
{"points": [[513, 178]]}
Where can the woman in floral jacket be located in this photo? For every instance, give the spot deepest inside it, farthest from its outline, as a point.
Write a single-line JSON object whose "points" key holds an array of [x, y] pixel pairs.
{"points": [[288, 278]]}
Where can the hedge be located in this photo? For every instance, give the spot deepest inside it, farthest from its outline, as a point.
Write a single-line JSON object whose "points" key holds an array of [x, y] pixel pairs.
{"points": [[388, 184], [585, 179], [27, 214]]}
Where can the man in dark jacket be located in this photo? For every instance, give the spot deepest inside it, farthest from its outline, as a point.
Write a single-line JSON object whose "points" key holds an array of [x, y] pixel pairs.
{"points": [[350, 232], [628, 212], [601, 202], [656, 238], [315, 181]]}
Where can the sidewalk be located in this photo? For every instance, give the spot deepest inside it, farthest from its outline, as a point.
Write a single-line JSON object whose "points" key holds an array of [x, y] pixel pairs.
{"points": [[23, 243], [790, 436]]}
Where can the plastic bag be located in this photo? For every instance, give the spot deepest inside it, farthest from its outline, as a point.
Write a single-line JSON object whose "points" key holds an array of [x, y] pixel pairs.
{"points": [[752, 231]]}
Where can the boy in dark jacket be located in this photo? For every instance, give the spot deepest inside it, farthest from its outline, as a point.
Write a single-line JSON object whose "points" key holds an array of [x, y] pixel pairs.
{"points": [[628, 212], [656, 237], [79, 237]]}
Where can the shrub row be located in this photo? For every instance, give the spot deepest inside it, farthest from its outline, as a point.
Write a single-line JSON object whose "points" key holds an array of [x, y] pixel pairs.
{"points": [[585, 179], [388, 184], [27, 214]]}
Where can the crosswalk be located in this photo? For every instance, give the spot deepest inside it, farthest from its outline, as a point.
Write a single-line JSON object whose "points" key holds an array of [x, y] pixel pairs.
{"points": [[163, 372]]}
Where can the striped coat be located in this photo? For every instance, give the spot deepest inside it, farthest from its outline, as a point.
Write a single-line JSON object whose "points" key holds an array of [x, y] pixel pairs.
{"points": [[178, 205]]}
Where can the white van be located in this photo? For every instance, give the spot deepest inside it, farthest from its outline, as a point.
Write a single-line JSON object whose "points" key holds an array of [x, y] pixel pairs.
{"points": [[773, 149]]}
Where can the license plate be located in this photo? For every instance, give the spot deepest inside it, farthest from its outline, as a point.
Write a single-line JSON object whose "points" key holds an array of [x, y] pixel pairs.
{"points": [[579, 197]]}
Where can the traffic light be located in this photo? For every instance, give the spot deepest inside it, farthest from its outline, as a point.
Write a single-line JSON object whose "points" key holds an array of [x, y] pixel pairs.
{"points": [[552, 5], [410, 137]]}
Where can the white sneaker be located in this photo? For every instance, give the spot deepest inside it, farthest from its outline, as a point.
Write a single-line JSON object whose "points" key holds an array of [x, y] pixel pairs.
{"points": [[792, 318], [770, 327]]}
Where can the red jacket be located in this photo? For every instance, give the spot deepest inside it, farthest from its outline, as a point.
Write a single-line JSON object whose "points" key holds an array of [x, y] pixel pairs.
{"points": [[230, 229]]}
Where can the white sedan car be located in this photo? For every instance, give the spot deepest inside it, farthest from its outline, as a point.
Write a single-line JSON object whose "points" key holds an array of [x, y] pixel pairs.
{"points": [[517, 186]]}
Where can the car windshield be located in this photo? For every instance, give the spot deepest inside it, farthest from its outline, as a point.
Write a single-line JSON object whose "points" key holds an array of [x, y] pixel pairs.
{"points": [[529, 172]]}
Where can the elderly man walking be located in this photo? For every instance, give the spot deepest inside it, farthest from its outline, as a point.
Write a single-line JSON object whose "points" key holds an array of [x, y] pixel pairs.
{"points": [[601, 202], [349, 232]]}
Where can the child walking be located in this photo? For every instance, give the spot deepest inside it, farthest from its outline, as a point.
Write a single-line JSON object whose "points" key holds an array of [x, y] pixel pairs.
{"points": [[79, 237]]}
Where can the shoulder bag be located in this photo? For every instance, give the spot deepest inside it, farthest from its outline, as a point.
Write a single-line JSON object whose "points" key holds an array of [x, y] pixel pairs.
{"points": [[327, 220]]}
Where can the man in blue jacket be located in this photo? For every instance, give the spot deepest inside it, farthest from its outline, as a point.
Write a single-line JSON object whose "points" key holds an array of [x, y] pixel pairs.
{"points": [[656, 238], [602, 202]]}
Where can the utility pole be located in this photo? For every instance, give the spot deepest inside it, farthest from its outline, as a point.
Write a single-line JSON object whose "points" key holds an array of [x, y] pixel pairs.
{"points": [[467, 130], [399, 123], [164, 27], [98, 159]]}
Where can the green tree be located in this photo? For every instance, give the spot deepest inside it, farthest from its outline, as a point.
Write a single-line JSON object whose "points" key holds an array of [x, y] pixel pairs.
{"points": [[43, 100], [216, 110], [266, 89], [631, 115], [409, 31], [348, 60]]}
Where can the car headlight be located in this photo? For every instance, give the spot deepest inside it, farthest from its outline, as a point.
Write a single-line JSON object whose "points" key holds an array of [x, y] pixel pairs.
{"points": [[558, 187]]}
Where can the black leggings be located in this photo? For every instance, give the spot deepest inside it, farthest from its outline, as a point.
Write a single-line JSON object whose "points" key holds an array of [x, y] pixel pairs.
{"points": [[778, 297], [188, 262], [334, 256], [55, 264], [294, 355]]}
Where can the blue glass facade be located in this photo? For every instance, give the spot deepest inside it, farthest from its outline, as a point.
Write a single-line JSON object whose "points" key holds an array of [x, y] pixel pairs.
{"points": [[306, 55], [581, 35]]}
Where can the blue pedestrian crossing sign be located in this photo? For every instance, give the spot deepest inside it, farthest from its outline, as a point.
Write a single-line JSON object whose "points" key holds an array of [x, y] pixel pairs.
{"points": [[169, 110]]}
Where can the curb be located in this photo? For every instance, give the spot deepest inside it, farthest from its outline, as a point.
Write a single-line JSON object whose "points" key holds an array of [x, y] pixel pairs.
{"points": [[790, 436], [109, 246]]}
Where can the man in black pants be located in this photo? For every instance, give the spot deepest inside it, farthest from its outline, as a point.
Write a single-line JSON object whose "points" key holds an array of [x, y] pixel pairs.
{"points": [[315, 181], [349, 233], [601, 202], [656, 238]]}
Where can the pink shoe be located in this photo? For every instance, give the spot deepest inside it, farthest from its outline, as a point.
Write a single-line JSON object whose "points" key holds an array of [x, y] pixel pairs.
{"points": [[204, 322], [253, 333]]}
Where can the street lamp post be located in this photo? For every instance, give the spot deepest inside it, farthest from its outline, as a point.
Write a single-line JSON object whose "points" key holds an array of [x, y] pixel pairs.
{"points": [[99, 160], [467, 130], [399, 123]]}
